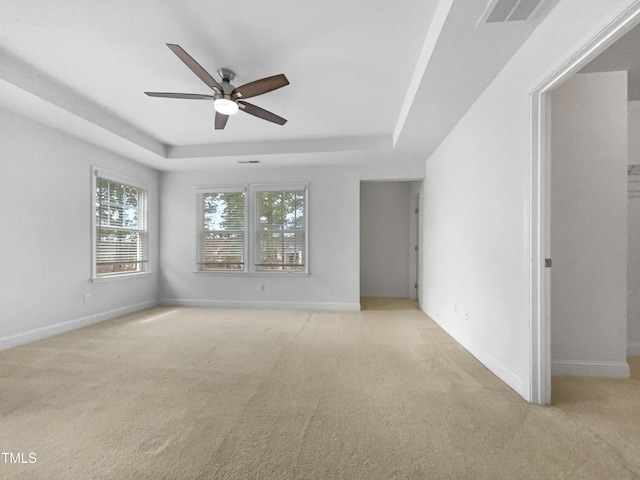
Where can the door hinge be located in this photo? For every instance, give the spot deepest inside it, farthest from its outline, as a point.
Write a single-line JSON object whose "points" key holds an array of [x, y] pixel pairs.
{"points": [[547, 263]]}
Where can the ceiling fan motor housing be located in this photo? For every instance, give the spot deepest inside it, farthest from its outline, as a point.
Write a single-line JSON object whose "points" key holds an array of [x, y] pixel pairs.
{"points": [[224, 102], [227, 75]]}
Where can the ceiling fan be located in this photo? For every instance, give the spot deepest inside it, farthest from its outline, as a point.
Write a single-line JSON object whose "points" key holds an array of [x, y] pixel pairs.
{"points": [[227, 99]]}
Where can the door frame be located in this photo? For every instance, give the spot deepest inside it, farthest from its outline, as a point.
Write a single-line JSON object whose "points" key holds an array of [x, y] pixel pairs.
{"points": [[415, 248], [540, 175]]}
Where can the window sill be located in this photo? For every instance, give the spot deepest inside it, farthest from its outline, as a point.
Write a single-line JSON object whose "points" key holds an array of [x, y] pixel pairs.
{"points": [[251, 274], [121, 276]]}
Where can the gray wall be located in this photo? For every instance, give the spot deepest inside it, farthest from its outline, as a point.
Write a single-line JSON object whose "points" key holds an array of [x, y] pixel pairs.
{"points": [[589, 225], [633, 141], [333, 216], [385, 239], [633, 271], [45, 247], [633, 265]]}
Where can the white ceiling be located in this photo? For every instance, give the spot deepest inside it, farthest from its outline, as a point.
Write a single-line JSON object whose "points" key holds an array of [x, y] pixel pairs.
{"points": [[364, 76]]}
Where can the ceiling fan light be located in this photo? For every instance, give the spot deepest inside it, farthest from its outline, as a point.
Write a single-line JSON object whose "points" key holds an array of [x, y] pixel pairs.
{"points": [[225, 106]]}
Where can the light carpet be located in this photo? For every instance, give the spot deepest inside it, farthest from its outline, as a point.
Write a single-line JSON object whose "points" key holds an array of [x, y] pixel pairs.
{"points": [[192, 393], [608, 409]]}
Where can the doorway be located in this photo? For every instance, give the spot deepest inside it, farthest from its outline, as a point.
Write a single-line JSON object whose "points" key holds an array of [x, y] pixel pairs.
{"points": [[588, 225], [389, 239], [543, 262]]}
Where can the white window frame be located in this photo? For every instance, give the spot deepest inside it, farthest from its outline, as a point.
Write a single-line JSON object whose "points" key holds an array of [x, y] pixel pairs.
{"points": [[255, 190], [132, 182], [251, 243], [199, 226]]}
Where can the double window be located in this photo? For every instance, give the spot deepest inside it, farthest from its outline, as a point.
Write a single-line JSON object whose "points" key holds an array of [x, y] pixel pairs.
{"points": [[120, 234], [254, 228]]}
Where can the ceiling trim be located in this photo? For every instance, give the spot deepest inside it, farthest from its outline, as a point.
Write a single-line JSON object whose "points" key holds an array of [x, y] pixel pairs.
{"points": [[27, 78], [440, 16], [33, 107], [311, 145], [29, 92]]}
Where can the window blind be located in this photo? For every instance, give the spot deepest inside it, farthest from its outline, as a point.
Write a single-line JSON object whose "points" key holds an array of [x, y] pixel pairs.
{"points": [[121, 228], [281, 242], [222, 231]]}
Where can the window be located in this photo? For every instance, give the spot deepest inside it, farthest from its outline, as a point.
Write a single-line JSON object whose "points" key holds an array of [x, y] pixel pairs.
{"points": [[221, 234], [280, 236], [253, 228], [121, 235]]}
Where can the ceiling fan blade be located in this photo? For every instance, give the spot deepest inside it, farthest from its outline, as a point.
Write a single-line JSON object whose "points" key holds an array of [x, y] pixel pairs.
{"points": [[261, 113], [194, 66], [188, 96], [258, 87], [221, 120]]}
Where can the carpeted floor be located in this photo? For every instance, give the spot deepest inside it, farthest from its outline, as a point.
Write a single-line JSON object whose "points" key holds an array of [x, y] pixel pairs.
{"points": [[608, 409], [247, 394]]}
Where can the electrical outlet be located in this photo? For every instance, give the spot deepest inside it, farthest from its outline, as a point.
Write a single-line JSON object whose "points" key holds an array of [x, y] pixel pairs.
{"points": [[87, 298]]}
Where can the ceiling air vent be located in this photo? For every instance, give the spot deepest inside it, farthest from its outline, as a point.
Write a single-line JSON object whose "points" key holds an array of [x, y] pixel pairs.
{"points": [[509, 10]]}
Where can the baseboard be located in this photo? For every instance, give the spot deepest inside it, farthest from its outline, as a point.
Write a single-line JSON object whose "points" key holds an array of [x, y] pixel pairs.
{"points": [[386, 294], [592, 368], [500, 370], [633, 349], [29, 336], [269, 305]]}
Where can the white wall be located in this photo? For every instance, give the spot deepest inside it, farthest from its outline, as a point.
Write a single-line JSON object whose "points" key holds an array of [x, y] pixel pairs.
{"points": [[45, 245], [589, 225], [333, 216], [385, 227], [476, 223]]}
